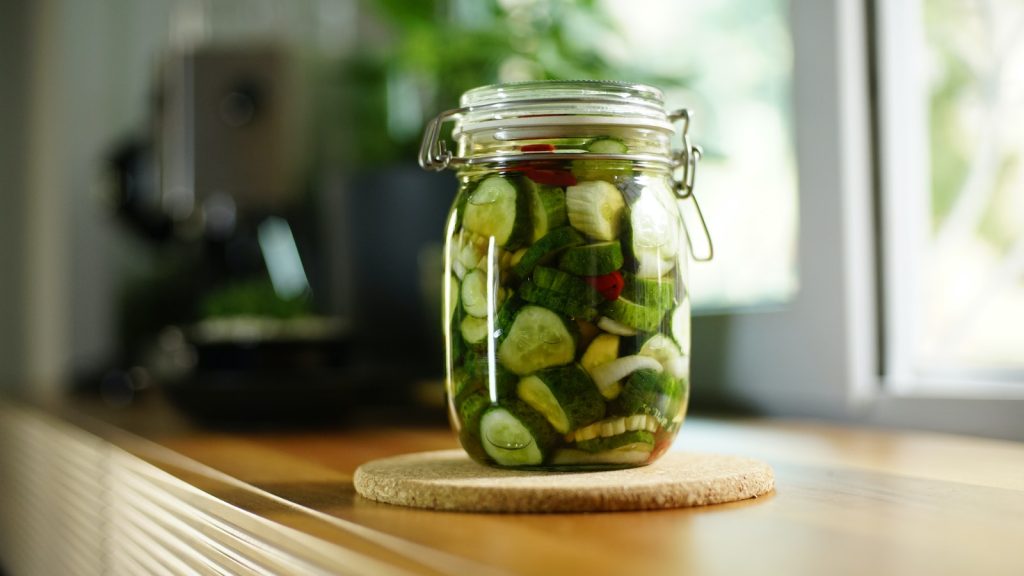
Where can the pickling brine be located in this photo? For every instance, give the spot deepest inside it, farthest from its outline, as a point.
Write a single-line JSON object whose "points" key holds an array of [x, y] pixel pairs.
{"points": [[567, 318]]}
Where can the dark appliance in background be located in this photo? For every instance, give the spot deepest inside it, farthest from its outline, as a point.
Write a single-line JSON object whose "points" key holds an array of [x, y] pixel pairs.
{"points": [[280, 288]]}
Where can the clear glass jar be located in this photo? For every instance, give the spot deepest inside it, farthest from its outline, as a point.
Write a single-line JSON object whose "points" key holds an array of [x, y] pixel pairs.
{"points": [[567, 320]]}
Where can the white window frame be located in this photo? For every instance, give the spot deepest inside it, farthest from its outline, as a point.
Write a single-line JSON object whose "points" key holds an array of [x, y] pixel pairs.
{"points": [[820, 355]]}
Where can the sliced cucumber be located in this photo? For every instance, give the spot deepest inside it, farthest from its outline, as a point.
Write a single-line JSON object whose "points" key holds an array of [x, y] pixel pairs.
{"points": [[681, 326], [500, 208], [548, 210], [607, 146], [475, 374], [650, 264], [556, 301], [592, 259], [474, 330], [651, 392], [608, 325], [470, 408], [607, 376], [537, 339], [602, 350], [565, 396], [653, 292], [513, 434], [653, 229], [643, 318], [636, 440], [547, 247], [474, 293], [595, 208], [567, 284]]}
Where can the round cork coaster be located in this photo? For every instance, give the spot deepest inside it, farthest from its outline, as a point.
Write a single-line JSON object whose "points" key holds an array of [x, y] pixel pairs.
{"points": [[449, 480]]}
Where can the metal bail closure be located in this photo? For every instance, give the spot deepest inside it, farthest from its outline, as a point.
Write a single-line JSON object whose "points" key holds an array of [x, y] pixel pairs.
{"points": [[685, 175], [434, 154]]}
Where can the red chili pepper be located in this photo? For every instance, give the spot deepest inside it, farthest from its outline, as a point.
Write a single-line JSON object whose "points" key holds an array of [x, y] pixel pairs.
{"points": [[551, 177], [537, 148], [609, 285]]}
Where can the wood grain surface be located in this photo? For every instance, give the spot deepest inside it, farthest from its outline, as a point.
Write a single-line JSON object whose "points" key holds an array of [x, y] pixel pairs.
{"points": [[846, 501]]}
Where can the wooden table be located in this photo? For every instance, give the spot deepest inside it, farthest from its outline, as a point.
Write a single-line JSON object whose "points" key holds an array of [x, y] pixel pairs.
{"points": [[847, 501]]}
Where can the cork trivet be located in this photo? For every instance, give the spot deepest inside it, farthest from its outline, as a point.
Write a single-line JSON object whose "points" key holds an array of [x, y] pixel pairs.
{"points": [[449, 480]]}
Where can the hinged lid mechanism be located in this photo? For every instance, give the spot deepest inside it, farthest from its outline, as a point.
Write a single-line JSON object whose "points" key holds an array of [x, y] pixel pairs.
{"points": [[554, 109]]}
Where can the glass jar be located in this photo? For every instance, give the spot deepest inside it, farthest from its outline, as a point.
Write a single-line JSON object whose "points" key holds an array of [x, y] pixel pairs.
{"points": [[567, 318]]}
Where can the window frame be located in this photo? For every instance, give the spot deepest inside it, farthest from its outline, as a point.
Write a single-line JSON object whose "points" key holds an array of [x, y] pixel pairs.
{"points": [[821, 355]]}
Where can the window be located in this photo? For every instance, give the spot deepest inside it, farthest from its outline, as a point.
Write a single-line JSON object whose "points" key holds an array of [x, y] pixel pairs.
{"points": [[952, 95], [736, 57]]}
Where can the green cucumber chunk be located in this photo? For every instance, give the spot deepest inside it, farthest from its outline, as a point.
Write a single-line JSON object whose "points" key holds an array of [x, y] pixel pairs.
{"points": [[514, 434], [653, 292], [557, 301], [649, 392], [538, 338], [595, 208], [643, 318], [629, 441], [565, 396], [470, 408], [499, 207], [567, 284], [592, 259], [547, 247], [548, 210]]}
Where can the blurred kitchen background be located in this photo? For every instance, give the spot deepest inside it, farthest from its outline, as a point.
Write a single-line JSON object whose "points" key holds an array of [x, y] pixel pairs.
{"points": [[218, 201]]}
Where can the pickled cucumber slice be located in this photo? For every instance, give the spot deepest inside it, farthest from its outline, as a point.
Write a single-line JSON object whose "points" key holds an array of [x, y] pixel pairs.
{"points": [[474, 330], [538, 338], [557, 301], [643, 318], [567, 284], [607, 376], [649, 392], [655, 292], [592, 259], [565, 396], [548, 210], [595, 208], [499, 207], [514, 434], [547, 247], [637, 440], [470, 408]]}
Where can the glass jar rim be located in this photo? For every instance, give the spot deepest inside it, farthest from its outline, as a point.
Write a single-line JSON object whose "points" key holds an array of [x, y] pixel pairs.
{"points": [[550, 103], [531, 90]]}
